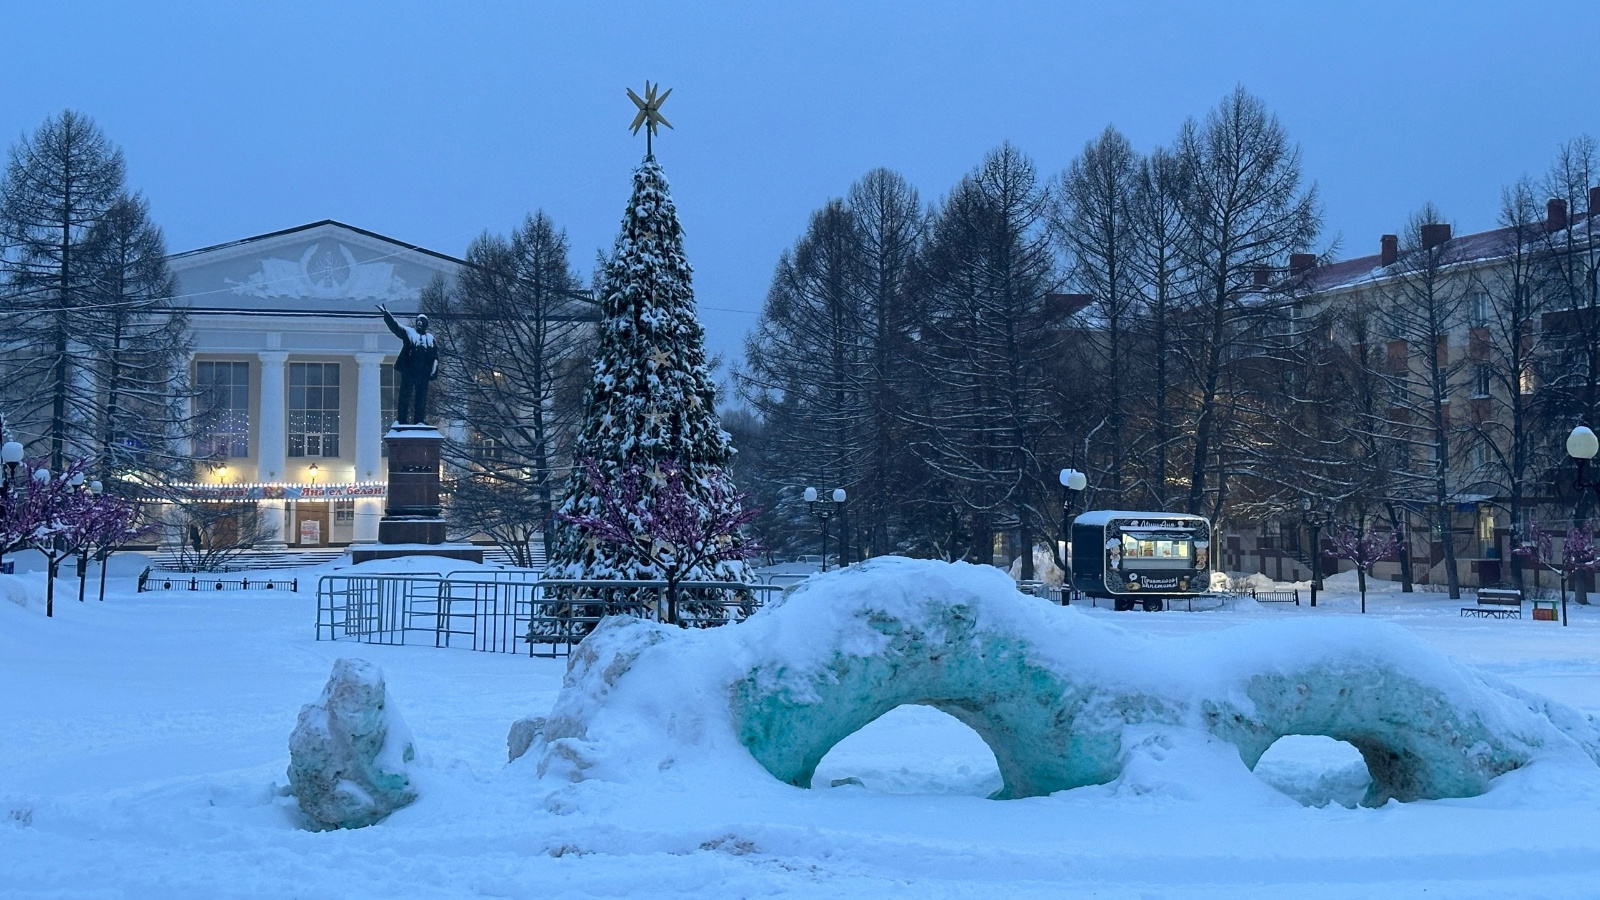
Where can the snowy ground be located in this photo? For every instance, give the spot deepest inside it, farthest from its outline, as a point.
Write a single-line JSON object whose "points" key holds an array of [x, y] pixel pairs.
{"points": [[143, 742]]}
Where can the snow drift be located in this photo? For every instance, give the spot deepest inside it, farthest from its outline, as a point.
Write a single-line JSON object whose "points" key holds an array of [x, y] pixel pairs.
{"points": [[349, 752], [1061, 697]]}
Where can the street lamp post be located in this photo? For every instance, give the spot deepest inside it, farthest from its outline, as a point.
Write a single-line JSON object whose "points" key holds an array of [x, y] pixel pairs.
{"points": [[1582, 445], [1072, 484], [1315, 518], [11, 457], [97, 488], [79, 482], [824, 510]]}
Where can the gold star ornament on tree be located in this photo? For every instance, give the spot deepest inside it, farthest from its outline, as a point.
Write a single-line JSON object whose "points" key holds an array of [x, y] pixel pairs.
{"points": [[649, 115]]}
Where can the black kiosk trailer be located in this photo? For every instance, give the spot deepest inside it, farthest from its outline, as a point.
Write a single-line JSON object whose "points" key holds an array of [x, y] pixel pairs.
{"points": [[1144, 558]]}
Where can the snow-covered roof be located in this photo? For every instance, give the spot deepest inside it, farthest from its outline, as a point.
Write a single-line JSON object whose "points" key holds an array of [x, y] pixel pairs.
{"points": [[1103, 517], [334, 223], [1481, 246]]}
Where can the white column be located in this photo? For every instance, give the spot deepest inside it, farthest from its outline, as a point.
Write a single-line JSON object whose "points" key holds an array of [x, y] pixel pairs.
{"points": [[369, 456], [272, 440]]}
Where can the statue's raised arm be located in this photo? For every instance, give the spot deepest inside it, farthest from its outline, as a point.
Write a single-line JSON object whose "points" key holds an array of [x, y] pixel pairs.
{"points": [[400, 331]]}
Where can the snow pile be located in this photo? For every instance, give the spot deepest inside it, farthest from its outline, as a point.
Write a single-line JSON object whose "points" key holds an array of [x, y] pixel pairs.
{"points": [[349, 752], [22, 591], [1044, 567], [524, 732], [1062, 698], [1255, 581]]}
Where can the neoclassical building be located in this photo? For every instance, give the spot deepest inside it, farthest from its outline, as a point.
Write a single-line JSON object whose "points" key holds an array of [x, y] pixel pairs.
{"points": [[292, 357]]}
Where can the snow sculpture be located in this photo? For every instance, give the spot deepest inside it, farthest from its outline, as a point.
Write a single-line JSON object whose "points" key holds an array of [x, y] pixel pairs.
{"points": [[1054, 692], [349, 752]]}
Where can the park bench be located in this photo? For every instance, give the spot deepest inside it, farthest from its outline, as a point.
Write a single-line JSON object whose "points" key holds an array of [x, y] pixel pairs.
{"points": [[1496, 603], [1290, 596]]}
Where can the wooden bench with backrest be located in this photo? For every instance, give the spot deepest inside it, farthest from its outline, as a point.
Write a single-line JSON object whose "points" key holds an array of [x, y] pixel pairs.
{"points": [[1496, 603]]}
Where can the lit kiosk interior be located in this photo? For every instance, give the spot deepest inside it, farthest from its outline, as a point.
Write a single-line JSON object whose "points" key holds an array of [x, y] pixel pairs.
{"points": [[1140, 558]]}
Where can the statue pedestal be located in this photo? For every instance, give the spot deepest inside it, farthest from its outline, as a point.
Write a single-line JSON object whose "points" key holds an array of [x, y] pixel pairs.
{"points": [[412, 523]]}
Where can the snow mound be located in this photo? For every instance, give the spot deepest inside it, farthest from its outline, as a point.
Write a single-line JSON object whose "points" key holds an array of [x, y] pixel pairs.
{"points": [[21, 591], [1255, 581], [1062, 698], [349, 752]]}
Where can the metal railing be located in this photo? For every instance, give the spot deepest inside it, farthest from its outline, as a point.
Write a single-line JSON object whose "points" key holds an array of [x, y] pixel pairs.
{"points": [[512, 610], [155, 580]]}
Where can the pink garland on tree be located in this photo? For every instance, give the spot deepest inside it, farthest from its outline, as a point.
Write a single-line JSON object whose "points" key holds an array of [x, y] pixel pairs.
{"points": [[651, 516]]}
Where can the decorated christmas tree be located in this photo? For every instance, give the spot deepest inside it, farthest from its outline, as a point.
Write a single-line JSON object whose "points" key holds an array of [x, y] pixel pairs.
{"points": [[651, 411]]}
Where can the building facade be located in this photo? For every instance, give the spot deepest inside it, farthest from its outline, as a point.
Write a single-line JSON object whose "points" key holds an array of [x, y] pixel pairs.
{"points": [[293, 363], [1509, 363]]}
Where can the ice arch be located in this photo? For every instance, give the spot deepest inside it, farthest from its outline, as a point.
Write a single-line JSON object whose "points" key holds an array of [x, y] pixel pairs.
{"points": [[916, 750], [949, 667], [1315, 770], [1051, 690]]}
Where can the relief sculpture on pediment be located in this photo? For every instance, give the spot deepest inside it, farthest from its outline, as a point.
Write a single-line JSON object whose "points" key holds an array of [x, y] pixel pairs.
{"points": [[326, 270]]}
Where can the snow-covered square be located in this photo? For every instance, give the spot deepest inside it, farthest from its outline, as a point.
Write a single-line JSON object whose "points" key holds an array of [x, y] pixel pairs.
{"points": [[146, 742], [811, 450]]}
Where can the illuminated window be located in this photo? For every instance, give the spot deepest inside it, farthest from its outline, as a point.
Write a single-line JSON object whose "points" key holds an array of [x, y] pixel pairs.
{"points": [[314, 409], [1154, 548], [224, 389]]}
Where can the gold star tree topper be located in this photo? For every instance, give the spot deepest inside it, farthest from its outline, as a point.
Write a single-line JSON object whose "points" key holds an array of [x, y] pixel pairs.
{"points": [[649, 115]]}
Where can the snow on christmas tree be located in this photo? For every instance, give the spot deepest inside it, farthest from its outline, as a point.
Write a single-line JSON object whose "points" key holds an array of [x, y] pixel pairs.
{"points": [[651, 406]]}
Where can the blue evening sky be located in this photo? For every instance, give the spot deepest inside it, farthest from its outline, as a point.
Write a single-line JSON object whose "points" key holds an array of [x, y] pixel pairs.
{"points": [[433, 122]]}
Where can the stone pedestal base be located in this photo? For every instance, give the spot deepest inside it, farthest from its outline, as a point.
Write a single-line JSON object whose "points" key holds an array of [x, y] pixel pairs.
{"points": [[466, 552], [410, 531], [411, 524]]}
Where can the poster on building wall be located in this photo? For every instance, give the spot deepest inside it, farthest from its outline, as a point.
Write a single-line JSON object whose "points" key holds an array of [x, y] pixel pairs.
{"points": [[311, 532]]}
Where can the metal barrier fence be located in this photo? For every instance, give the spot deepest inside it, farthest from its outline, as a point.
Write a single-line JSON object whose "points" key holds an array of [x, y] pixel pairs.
{"points": [[152, 580], [511, 610]]}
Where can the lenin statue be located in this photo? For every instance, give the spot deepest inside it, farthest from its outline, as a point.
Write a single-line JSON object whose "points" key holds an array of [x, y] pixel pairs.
{"points": [[418, 364]]}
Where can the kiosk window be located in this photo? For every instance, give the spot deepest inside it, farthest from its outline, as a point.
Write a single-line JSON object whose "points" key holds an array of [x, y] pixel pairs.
{"points": [[1153, 547]]}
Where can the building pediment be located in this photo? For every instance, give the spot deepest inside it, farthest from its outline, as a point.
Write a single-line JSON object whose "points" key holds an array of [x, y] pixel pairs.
{"points": [[323, 267]]}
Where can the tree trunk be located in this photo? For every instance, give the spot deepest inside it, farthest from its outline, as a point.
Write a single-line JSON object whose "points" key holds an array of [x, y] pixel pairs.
{"points": [[1397, 525], [1205, 423]]}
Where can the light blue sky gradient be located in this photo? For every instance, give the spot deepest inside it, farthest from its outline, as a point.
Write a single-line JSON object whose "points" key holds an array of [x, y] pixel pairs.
{"points": [[432, 122]]}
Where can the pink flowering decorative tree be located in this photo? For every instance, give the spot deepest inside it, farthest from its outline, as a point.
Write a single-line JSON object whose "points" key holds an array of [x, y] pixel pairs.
{"points": [[1366, 549], [1578, 553], [42, 514], [106, 523], [651, 516], [58, 516]]}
